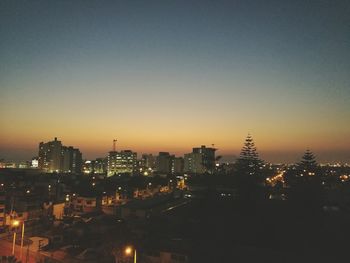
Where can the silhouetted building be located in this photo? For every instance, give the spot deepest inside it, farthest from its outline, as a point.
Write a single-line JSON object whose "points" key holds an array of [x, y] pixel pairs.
{"points": [[164, 162], [148, 161], [50, 156], [54, 157], [76, 161], [193, 163], [121, 162], [177, 165], [201, 160]]}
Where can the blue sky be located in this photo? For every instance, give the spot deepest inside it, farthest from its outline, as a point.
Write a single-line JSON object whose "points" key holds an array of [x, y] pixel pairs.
{"points": [[199, 71]]}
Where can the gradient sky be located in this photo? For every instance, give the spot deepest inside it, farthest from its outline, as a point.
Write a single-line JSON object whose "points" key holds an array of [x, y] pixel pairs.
{"points": [[171, 75]]}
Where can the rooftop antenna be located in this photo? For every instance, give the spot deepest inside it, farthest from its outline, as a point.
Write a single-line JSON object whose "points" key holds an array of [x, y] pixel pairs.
{"points": [[114, 142]]}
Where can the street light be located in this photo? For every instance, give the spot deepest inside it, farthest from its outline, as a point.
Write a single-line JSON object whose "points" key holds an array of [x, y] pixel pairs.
{"points": [[15, 223], [128, 251], [20, 255]]}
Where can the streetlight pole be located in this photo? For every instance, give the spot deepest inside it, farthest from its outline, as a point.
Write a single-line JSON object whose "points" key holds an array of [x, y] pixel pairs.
{"points": [[13, 243], [20, 255], [128, 252], [15, 224]]}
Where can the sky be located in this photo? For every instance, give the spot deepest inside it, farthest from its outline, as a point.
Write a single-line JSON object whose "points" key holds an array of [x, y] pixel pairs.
{"points": [[172, 75]]}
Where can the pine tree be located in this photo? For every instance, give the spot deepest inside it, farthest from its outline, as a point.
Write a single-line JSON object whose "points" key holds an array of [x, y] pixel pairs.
{"points": [[305, 187], [249, 174], [249, 162], [308, 165]]}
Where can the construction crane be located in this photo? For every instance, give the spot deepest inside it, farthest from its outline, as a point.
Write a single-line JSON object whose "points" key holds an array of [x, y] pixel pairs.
{"points": [[114, 143]]}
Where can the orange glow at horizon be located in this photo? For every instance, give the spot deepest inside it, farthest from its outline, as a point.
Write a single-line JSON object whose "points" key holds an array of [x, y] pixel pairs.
{"points": [[97, 142]]}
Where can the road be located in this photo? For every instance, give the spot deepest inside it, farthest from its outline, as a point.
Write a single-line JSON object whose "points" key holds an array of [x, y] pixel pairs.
{"points": [[27, 256], [183, 202]]}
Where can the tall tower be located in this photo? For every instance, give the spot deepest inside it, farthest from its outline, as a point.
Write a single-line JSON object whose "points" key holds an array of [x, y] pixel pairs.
{"points": [[50, 156]]}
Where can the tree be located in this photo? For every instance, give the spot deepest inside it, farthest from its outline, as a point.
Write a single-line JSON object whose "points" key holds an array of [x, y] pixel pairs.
{"points": [[305, 183], [248, 170], [308, 165], [304, 171], [249, 162]]}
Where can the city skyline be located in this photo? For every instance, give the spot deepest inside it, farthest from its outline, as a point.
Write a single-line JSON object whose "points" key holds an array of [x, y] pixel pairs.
{"points": [[169, 76], [268, 156]]}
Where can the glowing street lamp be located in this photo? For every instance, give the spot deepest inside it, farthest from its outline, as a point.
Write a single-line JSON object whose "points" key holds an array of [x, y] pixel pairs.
{"points": [[15, 224], [129, 251]]}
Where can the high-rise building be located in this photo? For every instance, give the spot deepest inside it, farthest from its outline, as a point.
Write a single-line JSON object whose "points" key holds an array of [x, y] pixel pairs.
{"points": [[148, 161], [193, 163], [201, 160], [163, 162], [99, 165], [208, 156], [77, 161], [54, 157], [50, 156], [121, 162], [177, 165]]}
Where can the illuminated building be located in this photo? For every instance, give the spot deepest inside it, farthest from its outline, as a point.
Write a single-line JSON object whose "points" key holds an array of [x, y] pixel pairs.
{"points": [[50, 156], [121, 162], [97, 166], [34, 162], [54, 157]]}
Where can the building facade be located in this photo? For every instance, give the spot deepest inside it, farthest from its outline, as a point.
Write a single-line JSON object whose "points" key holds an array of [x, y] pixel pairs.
{"points": [[177, 165], [163, 163], [201, 160], [148, 161], [121, 162], [54, 157]]}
